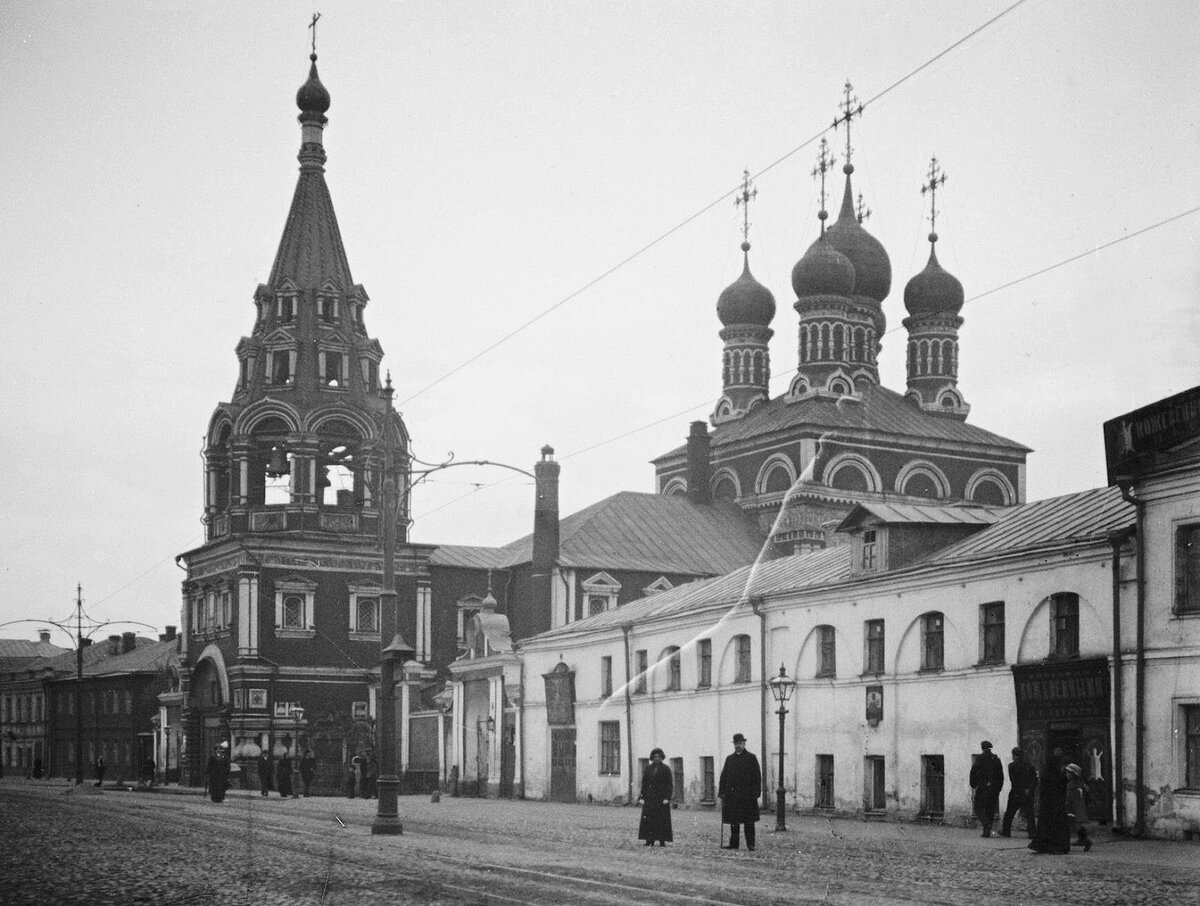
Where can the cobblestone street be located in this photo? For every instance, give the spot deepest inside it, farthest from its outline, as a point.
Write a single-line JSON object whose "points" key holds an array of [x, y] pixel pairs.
{"points": [[66, 845]]}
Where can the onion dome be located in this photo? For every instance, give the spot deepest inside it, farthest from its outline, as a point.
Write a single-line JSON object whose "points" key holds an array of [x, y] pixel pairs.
{"points": [[823, 271], [312, 96], [872, 268], [934, 290], [746, 301]]}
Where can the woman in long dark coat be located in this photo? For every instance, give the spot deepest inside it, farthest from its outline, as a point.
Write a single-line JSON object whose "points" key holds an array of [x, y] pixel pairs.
{"points": [[1053, 825], [655, 798], [218, 773], [283, 774]]}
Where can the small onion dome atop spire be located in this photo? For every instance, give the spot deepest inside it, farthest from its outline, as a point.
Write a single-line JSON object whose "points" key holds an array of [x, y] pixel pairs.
{"points": [[312, 96], [872, 267], [746, 301], [934, 290], [823, 271]]}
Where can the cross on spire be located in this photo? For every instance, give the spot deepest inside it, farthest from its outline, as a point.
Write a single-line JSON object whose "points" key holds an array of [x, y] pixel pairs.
{"points": [[861, 211], [825, 162], [937, 179], [743, 200], [313, 27], [850, 108]]}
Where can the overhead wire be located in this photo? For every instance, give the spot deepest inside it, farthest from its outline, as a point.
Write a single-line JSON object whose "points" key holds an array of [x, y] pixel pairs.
{"points": [[700, 212]]}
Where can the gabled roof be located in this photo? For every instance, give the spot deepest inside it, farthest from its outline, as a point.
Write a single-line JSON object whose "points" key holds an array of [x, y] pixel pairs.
{"points": [[871, 512], [634, 531], [880, 411], [1086, 516], [149, 657], [653, 533], [1083, 518], [23, 648]]}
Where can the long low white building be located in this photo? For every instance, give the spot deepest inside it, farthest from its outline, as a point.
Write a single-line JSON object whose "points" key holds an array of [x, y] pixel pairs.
{"points": [[930, 629]]}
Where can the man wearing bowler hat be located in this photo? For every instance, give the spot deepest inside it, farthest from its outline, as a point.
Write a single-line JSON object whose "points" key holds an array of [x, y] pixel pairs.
{"points": [[740, 787]]}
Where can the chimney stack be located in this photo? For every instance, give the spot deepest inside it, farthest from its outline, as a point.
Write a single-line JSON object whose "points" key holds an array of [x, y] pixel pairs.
{"points": [[170, 634], [44, 635], [114, 644], [545, 538], [699, 466], [128, 642]]}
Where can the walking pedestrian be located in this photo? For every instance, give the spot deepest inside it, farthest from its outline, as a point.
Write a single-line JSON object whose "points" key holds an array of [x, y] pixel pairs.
{"points": [[264, 769], [370, 776], [283, 774], [1022, 780], [296, 776], [218, 772], [1053, 825], [100, 765], [739, 789], [308, 766], [1077, 812], [655, 800], [987, 779]]}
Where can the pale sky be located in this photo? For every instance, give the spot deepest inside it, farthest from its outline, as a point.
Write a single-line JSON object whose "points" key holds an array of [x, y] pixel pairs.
{"points": [[488, 160]]}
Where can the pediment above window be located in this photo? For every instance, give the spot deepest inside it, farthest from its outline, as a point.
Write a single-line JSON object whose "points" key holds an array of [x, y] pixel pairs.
{"points": [[601, 582]]}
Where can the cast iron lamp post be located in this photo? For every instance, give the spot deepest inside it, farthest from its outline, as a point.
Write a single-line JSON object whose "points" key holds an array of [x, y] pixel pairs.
{"points": [[387, 813], [781, 687]]}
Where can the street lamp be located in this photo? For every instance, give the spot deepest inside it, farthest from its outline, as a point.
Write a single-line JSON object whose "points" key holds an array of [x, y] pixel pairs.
{"points": [[387, 813], [782, 687]]}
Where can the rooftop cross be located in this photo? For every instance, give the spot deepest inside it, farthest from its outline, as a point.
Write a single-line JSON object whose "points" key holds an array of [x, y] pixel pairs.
{"points": [[936, 179], [313, 25], [743, 200], [825, 162], [862, 212], [850, 108]]}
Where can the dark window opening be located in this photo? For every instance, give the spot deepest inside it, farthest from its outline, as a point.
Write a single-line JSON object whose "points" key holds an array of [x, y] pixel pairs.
{"points": [[1065, 624], [992, 622], [874, 658]]}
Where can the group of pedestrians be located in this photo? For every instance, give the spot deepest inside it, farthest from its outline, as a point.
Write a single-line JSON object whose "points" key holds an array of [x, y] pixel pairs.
{"points": [[738, 789], [1060, 793], [285, 773]]}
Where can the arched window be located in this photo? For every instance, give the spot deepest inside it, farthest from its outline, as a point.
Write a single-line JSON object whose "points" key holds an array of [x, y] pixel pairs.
{"points": [[921, 485], [826, 651], [823, 353], [742, 671], [988, 492], [839, 342], [725, 489], [778, 480], [803, 343], [850, 477]]}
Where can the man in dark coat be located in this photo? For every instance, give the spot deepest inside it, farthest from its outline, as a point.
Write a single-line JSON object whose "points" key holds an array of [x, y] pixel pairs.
{"points": [[739, 789], [1023, 780], [987, 779], [1053, 826], [308, 766], [283, 774], [264, 769], [655, 799]]}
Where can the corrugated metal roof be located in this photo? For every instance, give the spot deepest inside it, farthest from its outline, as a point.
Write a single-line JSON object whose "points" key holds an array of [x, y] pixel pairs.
{"points": [[1083, 516], [809, 570], [23, 648], [467, 556], [880, 411], [922, 514], [149, 657], [654, 533]]}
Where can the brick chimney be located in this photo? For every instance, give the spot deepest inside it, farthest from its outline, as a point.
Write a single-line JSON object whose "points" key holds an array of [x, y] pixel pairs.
{"points": [[128, 642], [170, 633], [699, 465], [114, 644], [44, 635], [545, 538]]}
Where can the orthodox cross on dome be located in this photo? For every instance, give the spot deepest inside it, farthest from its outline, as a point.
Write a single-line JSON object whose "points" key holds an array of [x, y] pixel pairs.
{"points": [[850, 108], [861, 211], [743, 200], [825, 162], [313, 27], [936, 180]]}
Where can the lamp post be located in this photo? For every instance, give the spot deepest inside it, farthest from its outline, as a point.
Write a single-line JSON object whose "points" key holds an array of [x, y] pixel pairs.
{"points": [[781, 688], [387, 813]]}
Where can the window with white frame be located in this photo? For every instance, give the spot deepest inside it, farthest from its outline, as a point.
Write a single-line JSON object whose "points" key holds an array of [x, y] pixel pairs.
{"points": [[1191, 746], [991, 632], [295, 605], [1187, 569], [364, 612], [610, 747], [600, 592], [933, 642]]}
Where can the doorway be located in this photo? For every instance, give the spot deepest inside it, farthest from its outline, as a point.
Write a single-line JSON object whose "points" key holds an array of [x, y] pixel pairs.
{"points": [[562, 764]]}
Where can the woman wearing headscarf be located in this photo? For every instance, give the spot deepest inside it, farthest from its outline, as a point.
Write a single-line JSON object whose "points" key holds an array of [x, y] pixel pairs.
{"points": [[655, 799]]}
